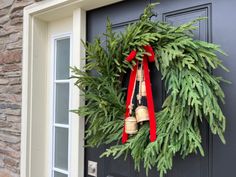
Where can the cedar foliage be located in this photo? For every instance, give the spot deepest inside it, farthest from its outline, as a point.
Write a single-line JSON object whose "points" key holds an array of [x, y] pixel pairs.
{"points": [[193, 92]]}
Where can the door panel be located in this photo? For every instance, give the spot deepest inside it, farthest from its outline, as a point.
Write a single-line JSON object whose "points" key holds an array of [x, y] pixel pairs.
{"points": [[195, 165], [179, 17], [219, 159]]}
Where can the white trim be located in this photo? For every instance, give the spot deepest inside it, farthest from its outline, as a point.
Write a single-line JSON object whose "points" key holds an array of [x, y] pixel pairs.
{"points": [[61, 171], [62, 81], [77, 124], [61, 125], [70, 153], [51, 108], [35, 21], [25, 94]]}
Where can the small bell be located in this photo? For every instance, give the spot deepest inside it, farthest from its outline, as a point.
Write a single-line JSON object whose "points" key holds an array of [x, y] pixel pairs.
{"points": [[139, 75], [143, 89], [141, 114], [131, 126]]}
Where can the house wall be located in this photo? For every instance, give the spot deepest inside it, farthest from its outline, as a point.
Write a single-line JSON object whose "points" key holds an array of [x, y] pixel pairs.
{"points": [[11, 17]]}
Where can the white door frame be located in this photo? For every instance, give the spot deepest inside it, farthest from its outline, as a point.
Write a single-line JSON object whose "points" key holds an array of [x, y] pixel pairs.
{"points": [[35, 84]]}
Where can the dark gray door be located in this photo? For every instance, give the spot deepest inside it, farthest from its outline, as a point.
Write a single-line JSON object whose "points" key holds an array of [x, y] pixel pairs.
{"points": [[219, 160]]}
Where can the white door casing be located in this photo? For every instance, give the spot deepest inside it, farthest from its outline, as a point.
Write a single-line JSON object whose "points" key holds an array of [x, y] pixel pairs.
{"points": [[41, 20]]}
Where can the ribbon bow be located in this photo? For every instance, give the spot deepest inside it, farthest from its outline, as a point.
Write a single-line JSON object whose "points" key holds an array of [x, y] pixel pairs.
{"points": [[132, 80]]}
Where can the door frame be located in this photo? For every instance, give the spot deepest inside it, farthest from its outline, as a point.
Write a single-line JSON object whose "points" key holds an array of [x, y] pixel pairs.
{"points": [[35, 85]]}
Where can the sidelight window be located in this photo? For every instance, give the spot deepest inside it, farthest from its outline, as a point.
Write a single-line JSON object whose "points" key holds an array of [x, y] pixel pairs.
{"points": [[61, 105]]}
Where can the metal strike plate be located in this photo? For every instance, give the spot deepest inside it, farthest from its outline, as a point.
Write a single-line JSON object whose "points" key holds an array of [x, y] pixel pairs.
{"points": [[92, 168]]}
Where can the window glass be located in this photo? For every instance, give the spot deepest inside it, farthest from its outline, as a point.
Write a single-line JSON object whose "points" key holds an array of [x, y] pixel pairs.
{"points": [[62, 58], [62, 103], [61, 148], [57, 174]]}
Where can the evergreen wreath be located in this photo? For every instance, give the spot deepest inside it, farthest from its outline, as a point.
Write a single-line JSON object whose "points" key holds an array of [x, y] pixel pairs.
{"points": [[193, 92]]}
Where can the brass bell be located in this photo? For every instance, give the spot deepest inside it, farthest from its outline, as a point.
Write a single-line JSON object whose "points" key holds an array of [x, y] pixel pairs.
{"points": [[141, 114], [140, 75], [131, 126], [143, 89]]}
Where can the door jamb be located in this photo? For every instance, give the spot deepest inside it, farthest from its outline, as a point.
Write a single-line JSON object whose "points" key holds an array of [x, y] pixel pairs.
{"points": [[36, 17]]}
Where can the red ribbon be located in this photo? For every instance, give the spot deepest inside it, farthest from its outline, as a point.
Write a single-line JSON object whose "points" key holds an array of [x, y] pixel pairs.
{"points": [[132, 80]]}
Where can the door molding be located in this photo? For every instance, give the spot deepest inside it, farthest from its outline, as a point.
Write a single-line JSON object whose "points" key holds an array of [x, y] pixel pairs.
{"points": [[35, 84], [204, 32]]}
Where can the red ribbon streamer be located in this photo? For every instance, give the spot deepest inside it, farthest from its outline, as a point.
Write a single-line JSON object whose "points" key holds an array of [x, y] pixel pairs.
{"points": [[150, 103], [132, 81]]}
